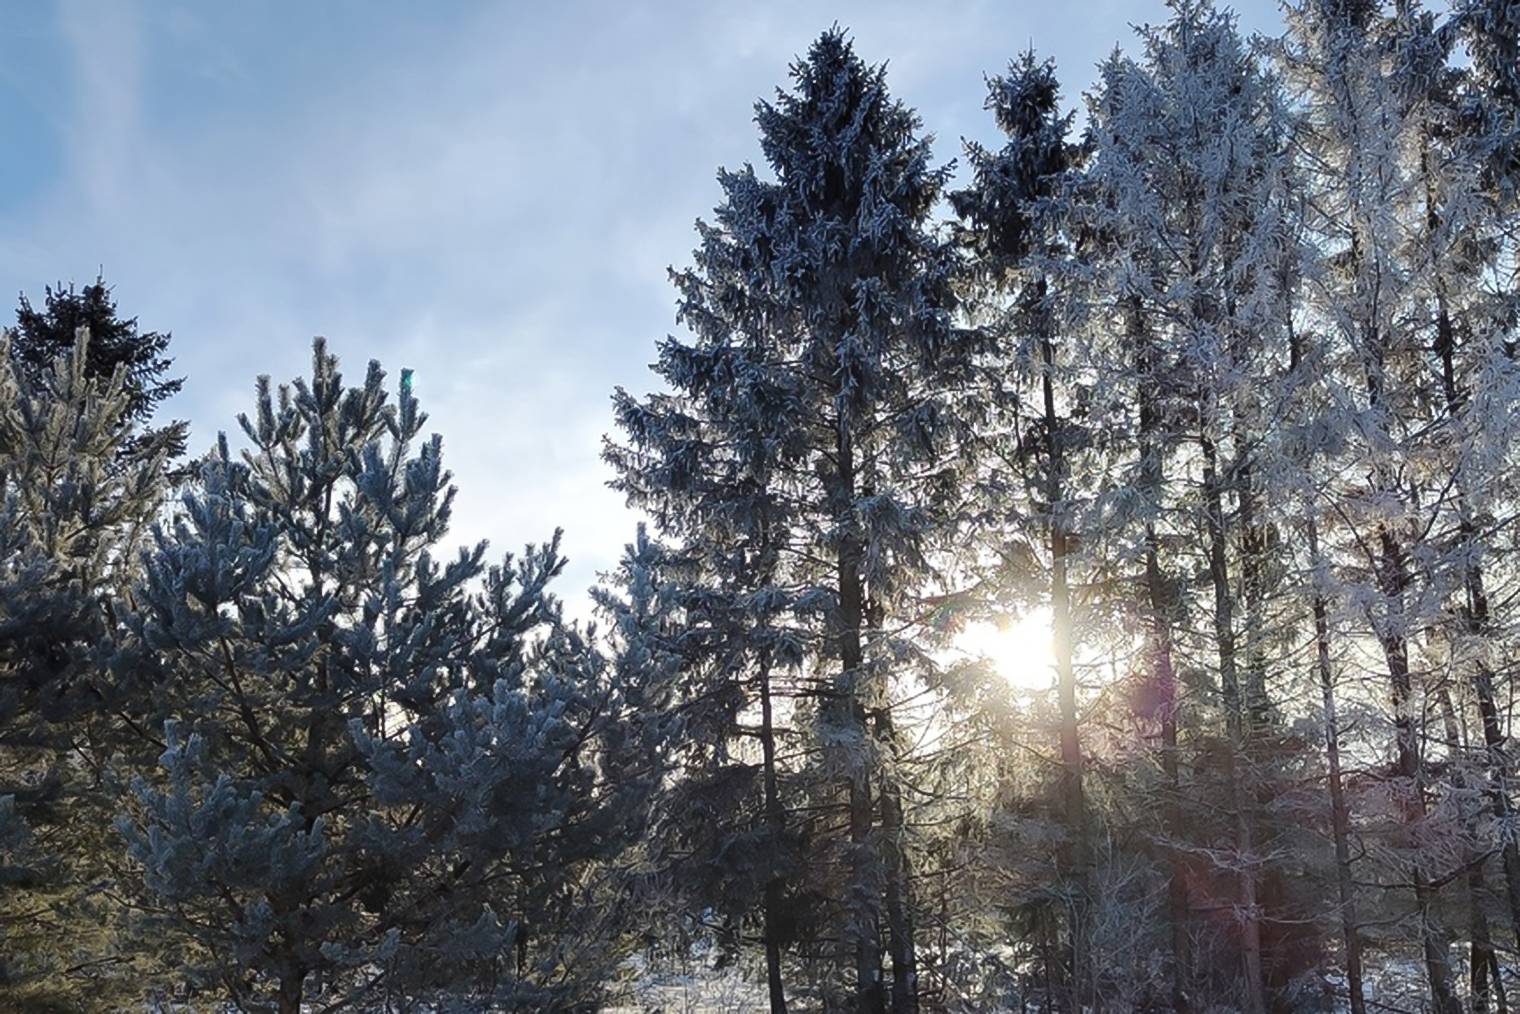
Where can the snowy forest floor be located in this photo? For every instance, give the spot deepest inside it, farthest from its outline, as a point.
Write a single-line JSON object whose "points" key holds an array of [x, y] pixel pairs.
{"points": [[1397, 987]]}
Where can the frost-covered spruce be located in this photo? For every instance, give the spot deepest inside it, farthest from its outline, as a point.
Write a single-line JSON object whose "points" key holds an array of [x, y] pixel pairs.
{"points": [[1417, 383], [385, 774], [801, 467], [1490, 31], [1037, 472]]}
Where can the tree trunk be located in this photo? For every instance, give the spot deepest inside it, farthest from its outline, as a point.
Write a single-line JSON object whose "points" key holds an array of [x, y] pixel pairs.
{"points": [[1340, 814], [1477, 624], [775, 819], [1480, 940], [290, 992], [1394, 580], [899, 904], [1160, 611], [1482, 958], [1256, 542], [1241, 801], [1498, 790], [865, 925], [1075, 848]]}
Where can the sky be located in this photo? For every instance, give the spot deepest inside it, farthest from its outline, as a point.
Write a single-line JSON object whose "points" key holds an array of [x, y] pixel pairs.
{"points": [[488, 193]]}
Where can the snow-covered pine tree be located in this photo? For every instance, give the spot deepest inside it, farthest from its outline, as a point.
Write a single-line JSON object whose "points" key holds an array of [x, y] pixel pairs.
{"points": [[723, 836], [1367, 74], [387, 777], [800, 465], [643, 636], [1490, 31], [1460, 251], [1190, 240], [80, 490]]}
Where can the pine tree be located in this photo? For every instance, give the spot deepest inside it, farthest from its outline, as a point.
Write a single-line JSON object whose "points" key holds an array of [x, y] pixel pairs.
{"points": [[1187, 213], [801, 465], [80, 492], [1370, 76], [1459, 253], [1490, 29], [387, 777]]}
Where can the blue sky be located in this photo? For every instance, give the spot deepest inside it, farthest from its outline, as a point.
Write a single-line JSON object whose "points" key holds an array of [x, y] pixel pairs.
{"points": [[489, 193]]}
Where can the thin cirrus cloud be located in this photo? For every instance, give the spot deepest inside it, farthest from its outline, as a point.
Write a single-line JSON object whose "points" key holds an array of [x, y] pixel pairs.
{"points": [[489, 193]]}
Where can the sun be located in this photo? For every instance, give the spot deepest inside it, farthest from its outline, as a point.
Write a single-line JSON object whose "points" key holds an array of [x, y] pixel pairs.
{"points": [[1019, 647]]}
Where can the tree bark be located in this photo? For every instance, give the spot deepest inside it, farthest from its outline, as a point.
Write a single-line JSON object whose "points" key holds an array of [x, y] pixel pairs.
{"points": [[775, 819], [1394, 579], [290, 992], [900, 943], [1236, 721], [1075, 848], [1160, 610], [1340, 814], [865, 919]]}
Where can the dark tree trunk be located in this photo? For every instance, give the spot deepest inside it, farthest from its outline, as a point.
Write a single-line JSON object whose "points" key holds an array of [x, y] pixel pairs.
{"points": [[870, 996], [1394, 579], [899, 904], [1340, 815], [1236, 721], [1256, 541], [291, 988], [1160, 611], [1498, 788], [1074, 858], [1481, 949], [775, 819]]}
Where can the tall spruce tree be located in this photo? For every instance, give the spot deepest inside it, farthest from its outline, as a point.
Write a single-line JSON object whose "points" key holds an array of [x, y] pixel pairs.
{"points": [[1457, 253], [1386, 273], [1490, 30], [802, 463], [1015, 215], [387, 777]]}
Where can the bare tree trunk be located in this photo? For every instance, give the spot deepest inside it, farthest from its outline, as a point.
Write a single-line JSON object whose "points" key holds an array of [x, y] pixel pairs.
{"points": [[775, 819], [1394, 579], [1241, 802], [1075, 850], [1340, 817]]}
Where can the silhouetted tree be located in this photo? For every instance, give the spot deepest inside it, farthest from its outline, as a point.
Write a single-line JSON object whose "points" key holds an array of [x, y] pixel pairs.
{"points": [[41, 336]]}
